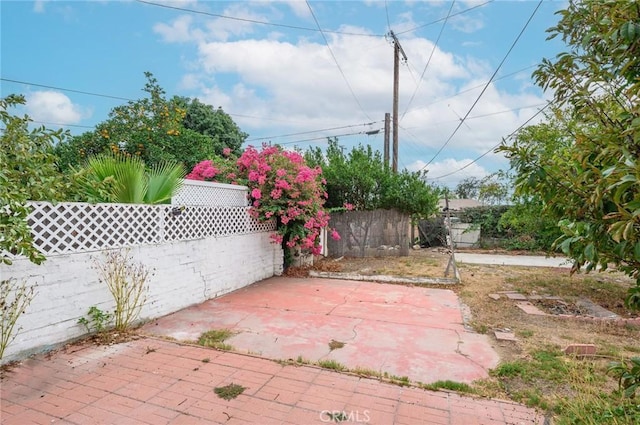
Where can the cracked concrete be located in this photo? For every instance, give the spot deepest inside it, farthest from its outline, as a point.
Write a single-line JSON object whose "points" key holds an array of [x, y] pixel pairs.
{"points": [[405, 331]]}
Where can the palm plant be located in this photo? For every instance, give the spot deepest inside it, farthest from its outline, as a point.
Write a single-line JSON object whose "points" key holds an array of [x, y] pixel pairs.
{"points": [[125, 179]]}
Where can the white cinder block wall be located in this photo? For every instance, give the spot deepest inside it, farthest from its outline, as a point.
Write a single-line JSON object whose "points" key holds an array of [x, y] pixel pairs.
{"points": [[185, 273]]}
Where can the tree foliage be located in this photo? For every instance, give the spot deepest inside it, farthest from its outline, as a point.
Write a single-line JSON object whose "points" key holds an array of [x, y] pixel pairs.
{"points": [[213, 123], [491, 189], [27, 172], [156, 129], [361, 179], [584, 163], [468, 188]]}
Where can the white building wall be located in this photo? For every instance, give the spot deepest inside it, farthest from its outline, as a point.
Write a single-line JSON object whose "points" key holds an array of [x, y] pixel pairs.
{"points": [[184, 273]]}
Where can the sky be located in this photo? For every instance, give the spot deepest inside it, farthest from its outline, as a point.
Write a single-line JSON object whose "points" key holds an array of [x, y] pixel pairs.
{"points": [[295, 72]]}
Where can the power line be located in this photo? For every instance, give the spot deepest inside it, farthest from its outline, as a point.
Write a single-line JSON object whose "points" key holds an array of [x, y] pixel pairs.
{"points": [[435, 45], [28, 83], [333, 135], [336, 62], [486, 85], [386, 8], [473, 88], [64, 89], [494, 147], [310, 131], [253, 21], [63, 125]]}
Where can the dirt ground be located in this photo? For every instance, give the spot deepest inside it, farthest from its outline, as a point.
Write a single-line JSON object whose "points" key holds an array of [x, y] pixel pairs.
{"points": [[535, 334]]}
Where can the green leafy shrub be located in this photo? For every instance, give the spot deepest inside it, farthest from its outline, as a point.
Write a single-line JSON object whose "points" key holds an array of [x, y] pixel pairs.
{"points": [[628, 374], [98, 320]]}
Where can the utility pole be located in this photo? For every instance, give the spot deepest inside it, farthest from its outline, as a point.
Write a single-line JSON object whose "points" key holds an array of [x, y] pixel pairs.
{"points": [[397, 49], [387, 121]]}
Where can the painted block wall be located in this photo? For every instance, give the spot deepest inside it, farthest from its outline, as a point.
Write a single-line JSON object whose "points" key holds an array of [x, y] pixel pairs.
{"points": [[184, 273]]}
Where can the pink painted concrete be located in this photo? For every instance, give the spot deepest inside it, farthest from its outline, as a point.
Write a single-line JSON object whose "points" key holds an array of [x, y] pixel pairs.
{"points": [[404, 331], [157, 382]]}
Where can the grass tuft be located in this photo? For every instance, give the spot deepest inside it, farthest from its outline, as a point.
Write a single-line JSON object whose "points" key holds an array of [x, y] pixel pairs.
{"points": [[332, 364], [230, 391], [215, 339], [449, 385]]}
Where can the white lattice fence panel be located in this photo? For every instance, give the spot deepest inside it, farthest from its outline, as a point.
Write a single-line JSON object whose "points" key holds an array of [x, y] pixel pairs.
{"points": [[196, 222], [72, 227], [195, 192], [256, 226], [75, 227]]}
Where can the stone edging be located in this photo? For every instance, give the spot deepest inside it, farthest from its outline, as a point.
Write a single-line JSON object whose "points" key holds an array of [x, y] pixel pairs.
{"points": [[386, 278]]}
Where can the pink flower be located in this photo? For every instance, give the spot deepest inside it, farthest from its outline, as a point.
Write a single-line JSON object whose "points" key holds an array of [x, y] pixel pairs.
{"points": [[305, 174], [209, 172], [283, 184], [281, 172], [203, 170], [276, 193], [335, 235], [256, 194], [226, 151], [348, 206]]}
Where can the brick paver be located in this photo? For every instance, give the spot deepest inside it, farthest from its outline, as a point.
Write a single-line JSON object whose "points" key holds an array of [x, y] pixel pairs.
{"points": [[150, 381]]}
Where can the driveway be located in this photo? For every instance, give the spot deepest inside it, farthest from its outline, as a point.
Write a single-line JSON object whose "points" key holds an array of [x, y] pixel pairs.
{"points": [[402, 331]]}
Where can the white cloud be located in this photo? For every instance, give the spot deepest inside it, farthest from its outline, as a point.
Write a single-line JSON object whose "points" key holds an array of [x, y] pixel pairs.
{"points": [[178, 31], [299, 8], [295, 85], [38, 6], [467, 24], [54, 107]]}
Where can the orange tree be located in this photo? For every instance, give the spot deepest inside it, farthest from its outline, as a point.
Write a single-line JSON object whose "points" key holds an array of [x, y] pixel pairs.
{"points": [[157, 130]]}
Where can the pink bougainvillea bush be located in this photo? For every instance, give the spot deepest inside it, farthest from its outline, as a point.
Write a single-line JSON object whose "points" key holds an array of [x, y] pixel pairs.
{"points": [[281, 187]]}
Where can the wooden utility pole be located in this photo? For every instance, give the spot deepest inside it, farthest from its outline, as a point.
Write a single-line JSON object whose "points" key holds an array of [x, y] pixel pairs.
{"points": [[397, 49], [387, 122]]}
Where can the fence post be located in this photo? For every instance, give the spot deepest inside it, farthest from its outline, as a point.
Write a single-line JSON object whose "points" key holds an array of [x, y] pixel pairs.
{"points": [[452, 257]]}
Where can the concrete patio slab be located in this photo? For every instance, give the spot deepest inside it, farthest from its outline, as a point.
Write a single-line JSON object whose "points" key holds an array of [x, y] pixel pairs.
{"points": [[401, 330], [157, 382]]}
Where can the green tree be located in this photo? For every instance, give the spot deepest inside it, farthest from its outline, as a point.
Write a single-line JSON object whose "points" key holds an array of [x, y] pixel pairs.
{"points": [[494, 189], [590, 176], [468, 188], [27, 172], [360, 178], [156, 129], [213, 123]]}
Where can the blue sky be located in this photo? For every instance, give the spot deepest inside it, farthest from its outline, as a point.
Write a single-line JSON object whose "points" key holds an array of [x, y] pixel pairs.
{"points": [[267, 64]]}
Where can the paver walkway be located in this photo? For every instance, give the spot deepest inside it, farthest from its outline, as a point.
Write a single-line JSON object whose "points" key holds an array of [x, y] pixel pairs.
{"points": [[401, 330], [150, 381]]}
